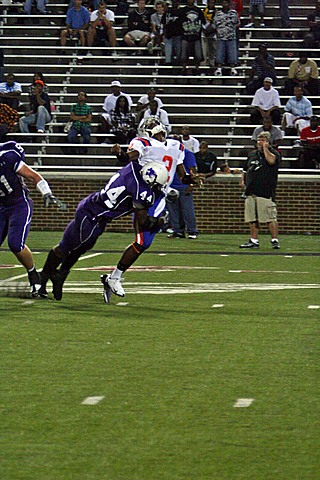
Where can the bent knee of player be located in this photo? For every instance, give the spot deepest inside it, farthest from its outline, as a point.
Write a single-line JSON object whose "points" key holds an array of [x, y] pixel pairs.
{"points": [[15, 245]]}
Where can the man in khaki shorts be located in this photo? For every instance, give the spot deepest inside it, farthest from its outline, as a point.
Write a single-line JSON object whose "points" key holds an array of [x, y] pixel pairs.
{"points": [[259, 180]]}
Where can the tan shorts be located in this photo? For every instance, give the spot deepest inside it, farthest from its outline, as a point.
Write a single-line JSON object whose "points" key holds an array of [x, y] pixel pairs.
{"points": [[263, 210], [137, 35]]}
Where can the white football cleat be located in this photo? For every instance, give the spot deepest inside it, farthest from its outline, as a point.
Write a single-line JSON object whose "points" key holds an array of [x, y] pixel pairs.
{"points": [[115, 285]]}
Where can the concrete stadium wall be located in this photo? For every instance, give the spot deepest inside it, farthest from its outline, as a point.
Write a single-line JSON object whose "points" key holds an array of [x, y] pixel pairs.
{"points": [[219, 207]]}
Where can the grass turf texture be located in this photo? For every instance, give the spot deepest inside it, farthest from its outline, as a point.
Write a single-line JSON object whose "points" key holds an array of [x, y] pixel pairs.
{"points": [[170, 368]]}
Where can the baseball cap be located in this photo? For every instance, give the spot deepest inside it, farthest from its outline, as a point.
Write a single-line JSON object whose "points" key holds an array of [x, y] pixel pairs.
{"points": [[268, 79], [39, 82], [264, 135], [115, 83]]}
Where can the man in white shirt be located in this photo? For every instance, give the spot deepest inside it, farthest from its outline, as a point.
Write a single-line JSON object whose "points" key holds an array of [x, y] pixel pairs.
{"points": [[101, 27], [143, 102], [110, 103], [160, 113], [267, 103], [190, 143]]}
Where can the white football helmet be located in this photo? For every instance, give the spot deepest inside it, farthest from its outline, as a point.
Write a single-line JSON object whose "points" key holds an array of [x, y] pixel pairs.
{"points": [[151, 126], [154, 174]]}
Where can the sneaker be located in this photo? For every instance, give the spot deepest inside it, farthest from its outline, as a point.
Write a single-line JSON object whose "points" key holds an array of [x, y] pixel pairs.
{"points": [[192, 236], [249, 245], [35, 283], [262, 25], [176, 235], [150, 48], [296, 144], [218, 72], [249, 25], [275, 244], [57, 284], [89, 54], [107, 292], [115, 286], [40, 130], [234, 72]]}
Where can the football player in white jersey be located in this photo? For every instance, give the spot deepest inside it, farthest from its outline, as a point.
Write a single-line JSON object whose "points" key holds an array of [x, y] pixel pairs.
{"points": [[152, 146]]}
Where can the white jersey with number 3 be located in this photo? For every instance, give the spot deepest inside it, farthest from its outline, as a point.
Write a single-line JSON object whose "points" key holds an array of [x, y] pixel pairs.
{"points": [[170, 153]]}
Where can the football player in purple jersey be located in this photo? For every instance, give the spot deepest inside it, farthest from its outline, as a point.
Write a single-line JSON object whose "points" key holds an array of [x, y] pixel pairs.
{"points": [[151, 146], [16, 206], [133, 189]]}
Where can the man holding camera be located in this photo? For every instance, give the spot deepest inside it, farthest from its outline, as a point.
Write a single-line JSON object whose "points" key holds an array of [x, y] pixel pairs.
{"points": [[259, 180]]}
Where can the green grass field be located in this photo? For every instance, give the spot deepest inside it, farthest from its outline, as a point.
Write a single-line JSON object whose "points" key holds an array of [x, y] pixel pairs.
{"points": [[202, 326]]}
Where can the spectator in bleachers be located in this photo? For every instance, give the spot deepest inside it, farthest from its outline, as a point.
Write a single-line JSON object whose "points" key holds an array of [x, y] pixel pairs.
{"points": [[190, 142], [263, 66], [297, 111], [81, 116], [139, 26], [266, 103], [156, 37], [267, 126], [303, 72], [37, 76], [41, 6], [209, 36], [8, 117], [284, 13], [10, 91], [172, 33], [226, 22], [192, 20], [310, 142], [78, 18], [155, 111], [237, 5], [256, 7], [40, 110], [110, 103], [224, 168], [312, 39], [144, 102], [207, 161], [101, 28], [1, 65], [123, 125]]}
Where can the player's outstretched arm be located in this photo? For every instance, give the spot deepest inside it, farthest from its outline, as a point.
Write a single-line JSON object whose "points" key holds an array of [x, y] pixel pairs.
{"points": [[42, 186]]}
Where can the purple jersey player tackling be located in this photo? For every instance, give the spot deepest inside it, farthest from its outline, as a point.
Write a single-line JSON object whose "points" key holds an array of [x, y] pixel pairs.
{"points": [[16, 206], [133, 189]]}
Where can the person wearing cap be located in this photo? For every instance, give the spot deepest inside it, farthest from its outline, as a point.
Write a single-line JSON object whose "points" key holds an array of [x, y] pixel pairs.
{"points": [[40, 110], [37, 76], [266, 103], [297, 111], [110, 104], [262, 66], [10, 91], [303, 72], [259, 181]]}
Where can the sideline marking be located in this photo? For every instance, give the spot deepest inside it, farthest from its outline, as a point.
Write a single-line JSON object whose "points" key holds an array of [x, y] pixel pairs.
{"points": [[28, 302], [122, 304], [92, 400], [264, 271], [217, 305], [243, 402], [314, 307], [89, 256]]}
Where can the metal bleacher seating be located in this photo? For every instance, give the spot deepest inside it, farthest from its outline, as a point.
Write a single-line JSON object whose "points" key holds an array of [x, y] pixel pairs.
{"points": [[216, 108]]}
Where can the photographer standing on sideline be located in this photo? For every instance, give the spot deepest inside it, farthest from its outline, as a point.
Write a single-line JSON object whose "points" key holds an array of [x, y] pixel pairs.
{"points": [[259, 180]]}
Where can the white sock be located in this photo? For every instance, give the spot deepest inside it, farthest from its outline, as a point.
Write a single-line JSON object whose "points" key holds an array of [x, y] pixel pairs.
{"points": [[254, 240], [117, 274]]}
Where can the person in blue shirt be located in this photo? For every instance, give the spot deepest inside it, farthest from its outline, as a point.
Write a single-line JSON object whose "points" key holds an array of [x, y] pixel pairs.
{"points": [[78, 19], [179, 202]]}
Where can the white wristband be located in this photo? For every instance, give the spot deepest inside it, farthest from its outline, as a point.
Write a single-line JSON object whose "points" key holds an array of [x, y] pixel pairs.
{"points": [[43, 187]]}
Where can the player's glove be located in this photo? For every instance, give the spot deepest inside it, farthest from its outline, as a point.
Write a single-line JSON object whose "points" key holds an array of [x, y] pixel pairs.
{"points": [[172, 195], [50, 199]]}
